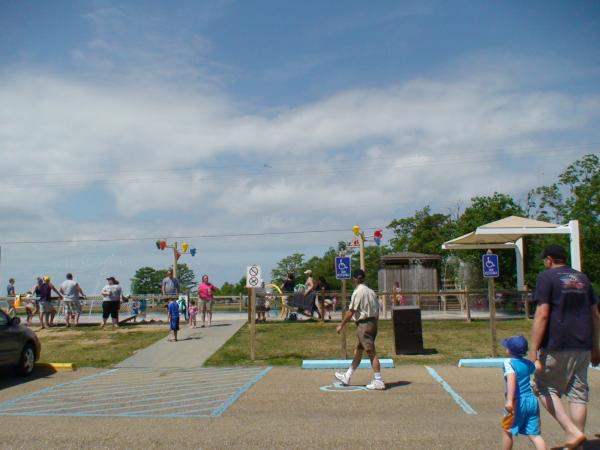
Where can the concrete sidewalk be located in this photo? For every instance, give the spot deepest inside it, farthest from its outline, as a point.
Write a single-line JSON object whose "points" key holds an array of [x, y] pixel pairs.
{"points": [[194, 347]]}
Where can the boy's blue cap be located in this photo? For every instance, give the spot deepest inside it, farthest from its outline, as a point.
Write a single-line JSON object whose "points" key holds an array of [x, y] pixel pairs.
{"points": [[517, 345]]}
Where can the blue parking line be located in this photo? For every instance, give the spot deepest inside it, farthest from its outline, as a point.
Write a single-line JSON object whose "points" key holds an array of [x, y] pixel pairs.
{"points": [[115, 393], [221, 409], [55, 387], [112, 402], [457, 398], [118, 379], [157, 387], [88, 400]]}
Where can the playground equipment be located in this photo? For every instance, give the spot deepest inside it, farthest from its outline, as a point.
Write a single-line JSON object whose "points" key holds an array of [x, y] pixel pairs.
{"points": [[185, 248]]}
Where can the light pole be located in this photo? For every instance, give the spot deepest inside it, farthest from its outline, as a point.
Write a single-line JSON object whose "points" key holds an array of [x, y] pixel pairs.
{"points": [[185, 248]]}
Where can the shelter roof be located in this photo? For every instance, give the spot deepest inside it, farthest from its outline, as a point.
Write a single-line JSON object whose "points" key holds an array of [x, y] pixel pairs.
{"points": [[519, 222], [503, 233]]}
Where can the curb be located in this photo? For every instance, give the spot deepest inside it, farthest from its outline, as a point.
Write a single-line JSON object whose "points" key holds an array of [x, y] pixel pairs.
{"points": [[343, 363], [57, 366]]}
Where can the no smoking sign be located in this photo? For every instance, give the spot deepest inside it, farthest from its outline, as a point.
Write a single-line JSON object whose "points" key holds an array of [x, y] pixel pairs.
{"points": [[253, 276]]}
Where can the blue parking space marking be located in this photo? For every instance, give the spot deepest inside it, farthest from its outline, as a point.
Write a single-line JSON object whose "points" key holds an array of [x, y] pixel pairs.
{"points": [[125, 392], [455, 396]]}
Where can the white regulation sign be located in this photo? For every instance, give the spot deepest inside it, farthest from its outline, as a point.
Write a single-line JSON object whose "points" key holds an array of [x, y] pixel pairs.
{"points": [[253, 276]]}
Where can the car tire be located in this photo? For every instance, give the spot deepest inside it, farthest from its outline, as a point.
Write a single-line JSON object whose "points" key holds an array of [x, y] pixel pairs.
{"points": [[26, 361]]}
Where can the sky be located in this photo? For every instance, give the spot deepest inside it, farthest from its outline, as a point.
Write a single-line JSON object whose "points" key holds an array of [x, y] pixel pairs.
{"points": [[227, 124]]}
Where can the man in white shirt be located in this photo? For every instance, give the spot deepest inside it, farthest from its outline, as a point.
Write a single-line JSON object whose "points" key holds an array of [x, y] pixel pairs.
{"points": [[72, 295], [364, 309]]}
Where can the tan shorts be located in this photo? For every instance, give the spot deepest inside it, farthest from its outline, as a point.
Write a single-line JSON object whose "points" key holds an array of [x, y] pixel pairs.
{"points": [[206, 304], [565, 373], [366, 332]]}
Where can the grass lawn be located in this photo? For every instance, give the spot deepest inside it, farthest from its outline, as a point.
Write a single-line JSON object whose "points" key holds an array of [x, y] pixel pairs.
{"points": [[89, 346], [288, 343]]}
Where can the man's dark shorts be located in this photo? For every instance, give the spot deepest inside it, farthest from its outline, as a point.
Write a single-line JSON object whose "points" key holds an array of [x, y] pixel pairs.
{"points": [[366, 332]]}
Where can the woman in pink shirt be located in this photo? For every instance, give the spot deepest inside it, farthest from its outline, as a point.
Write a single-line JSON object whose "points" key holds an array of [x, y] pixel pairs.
{"points": [[205, 294]]}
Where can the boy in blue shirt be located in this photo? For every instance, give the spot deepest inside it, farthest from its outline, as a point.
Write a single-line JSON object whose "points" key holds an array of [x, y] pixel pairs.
{"points": [[173, 310], [522, 411]]}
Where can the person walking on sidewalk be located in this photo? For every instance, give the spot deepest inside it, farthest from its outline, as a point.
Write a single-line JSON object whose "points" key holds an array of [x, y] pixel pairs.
{"points": [[566, 330], [206, 291], [173, 311], [364, 308]]}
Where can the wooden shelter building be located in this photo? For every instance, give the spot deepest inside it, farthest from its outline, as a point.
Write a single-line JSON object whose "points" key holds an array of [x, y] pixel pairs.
{"points": [[415, 271]]}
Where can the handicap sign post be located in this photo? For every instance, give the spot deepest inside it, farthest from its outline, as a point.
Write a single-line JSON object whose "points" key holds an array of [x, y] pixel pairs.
{"points": [[343, 268], [343, 271], [491, 268]]}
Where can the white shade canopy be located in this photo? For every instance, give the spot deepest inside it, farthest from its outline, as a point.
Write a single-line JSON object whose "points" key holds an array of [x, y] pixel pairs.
{"points": [[508, 233]]}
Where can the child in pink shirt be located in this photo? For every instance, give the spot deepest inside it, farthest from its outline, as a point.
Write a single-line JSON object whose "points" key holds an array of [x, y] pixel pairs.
{"points": [[193, 312]]}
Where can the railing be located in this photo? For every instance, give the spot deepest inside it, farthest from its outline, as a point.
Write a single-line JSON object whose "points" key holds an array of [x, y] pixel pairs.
{"points": [[454, 302]]}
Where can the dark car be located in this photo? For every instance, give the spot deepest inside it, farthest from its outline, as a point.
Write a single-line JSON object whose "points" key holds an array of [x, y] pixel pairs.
{"points": [[19, 346]]}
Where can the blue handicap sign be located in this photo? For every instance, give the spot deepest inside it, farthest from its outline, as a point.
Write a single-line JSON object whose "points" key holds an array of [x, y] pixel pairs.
{"points": [[343, 270], [491, 267]]}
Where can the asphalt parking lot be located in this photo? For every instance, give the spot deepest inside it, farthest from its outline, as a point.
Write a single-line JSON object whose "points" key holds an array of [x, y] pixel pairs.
{"points": [[442, 407]]}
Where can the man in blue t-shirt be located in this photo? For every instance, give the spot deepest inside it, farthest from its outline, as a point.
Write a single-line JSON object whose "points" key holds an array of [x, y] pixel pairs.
{"points": [[565, 335]]}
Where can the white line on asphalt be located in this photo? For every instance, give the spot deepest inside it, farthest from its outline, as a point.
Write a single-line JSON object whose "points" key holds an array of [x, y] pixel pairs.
{"points": [[457, 398]]}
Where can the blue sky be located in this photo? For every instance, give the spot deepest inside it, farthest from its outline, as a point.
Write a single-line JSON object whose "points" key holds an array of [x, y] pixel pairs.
{"points": [[135, 119]]}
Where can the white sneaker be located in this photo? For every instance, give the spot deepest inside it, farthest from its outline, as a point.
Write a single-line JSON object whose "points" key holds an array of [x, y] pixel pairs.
{"points": [[376, 385], [342, 377]]}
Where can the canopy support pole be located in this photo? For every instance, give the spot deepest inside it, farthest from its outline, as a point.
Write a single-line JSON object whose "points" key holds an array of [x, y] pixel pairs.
{"points": [[575, 247], [520, 265]]}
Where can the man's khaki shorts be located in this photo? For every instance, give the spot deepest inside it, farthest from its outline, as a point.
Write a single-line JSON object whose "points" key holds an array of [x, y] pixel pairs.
{"points": [[565, 373], [366, 332]]}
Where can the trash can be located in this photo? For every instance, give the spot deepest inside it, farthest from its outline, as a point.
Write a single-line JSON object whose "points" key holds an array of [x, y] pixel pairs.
{"points": [[408, 332]]}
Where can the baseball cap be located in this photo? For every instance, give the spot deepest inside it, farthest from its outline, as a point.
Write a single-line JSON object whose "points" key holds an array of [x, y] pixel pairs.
{"points": [[517, 345], [308, 272], [111, 279], [555, 251]]}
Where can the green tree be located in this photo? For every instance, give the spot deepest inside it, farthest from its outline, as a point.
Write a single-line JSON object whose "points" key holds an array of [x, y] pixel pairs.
{"points": [[228, 289], [186, 277], [422, 233], [576, 196], [293, 263], [241, 286], [146, 281]]}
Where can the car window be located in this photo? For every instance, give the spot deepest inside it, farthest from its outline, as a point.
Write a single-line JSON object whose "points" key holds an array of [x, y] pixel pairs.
{"points": [[3, 319]]}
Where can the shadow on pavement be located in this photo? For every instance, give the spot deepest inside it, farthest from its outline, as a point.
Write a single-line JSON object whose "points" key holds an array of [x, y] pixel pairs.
{"points": [[8, 378], [396, 384], [590, 444]]}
